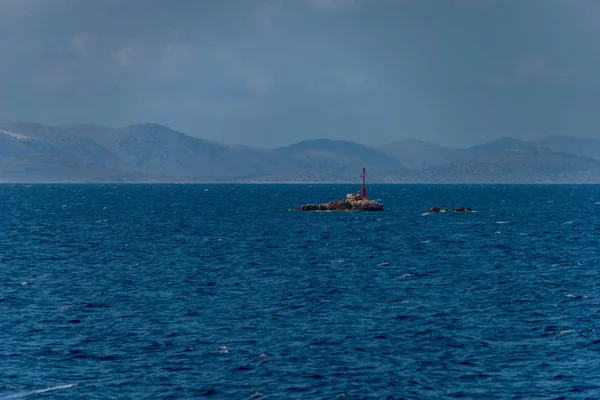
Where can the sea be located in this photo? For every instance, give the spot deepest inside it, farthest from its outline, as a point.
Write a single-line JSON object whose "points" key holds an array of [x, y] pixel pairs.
{"points": [[222, 292]]}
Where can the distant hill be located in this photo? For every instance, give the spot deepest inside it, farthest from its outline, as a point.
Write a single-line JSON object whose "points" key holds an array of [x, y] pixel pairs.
{"points": [[521, 165], [504, 143], [585, 147], [152, 152], [337, 158], [32, 152], [417, 154]]}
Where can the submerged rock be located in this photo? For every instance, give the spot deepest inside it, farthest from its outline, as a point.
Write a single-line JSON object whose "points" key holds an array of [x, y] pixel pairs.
{"points": [[353, 202], [457, 209], [462, 209]]}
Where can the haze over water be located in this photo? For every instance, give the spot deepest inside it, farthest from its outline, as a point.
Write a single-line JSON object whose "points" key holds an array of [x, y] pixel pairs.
{"points": [[217, 291]]}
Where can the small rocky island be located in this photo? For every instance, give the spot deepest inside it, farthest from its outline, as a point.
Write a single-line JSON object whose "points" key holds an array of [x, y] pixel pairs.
{"points": [[353, 202]]}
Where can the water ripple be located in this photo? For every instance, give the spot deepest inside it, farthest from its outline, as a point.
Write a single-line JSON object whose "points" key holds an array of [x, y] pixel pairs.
{"points": [[175, 291]]}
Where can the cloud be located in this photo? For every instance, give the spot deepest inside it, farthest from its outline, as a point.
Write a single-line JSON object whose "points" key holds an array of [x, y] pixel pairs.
{"points": [[7, 5], [332, 5], [497, 81], [255, 81], [174, 56], [80, 43], [340, 84], [125, 56], [586, 10], [14, 5], [269, 13], [532, 69], [354, 83], [12, 8], [535, 68], [304, 59], [52, 78]]}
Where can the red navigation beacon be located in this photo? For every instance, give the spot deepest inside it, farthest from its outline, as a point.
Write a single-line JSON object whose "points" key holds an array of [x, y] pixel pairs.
{"points": [[363, 193]]}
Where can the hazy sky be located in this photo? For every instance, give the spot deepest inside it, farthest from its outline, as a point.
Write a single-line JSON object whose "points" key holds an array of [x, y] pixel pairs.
{"points": [[272, 72]]}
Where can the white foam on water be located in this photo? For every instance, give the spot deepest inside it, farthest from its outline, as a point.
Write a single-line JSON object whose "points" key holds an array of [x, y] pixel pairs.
{"points": [[502, 222], [559, 334], [569, 222], [221, 350], [39, 391]]}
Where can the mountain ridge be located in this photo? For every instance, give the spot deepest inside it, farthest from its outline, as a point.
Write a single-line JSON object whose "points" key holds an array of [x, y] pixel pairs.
{"points": [[150, 152]]}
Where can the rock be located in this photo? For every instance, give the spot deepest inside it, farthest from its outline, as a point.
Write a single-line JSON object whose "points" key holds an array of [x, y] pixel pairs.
{"points": [[462, 209], [457, 209], [353, 202], [353, 197]]}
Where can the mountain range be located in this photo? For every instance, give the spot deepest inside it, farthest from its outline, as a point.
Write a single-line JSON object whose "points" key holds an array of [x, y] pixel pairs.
{"points": [[146, 153]]}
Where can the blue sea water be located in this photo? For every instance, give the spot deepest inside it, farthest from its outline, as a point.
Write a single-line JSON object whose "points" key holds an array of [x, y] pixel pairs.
{"points": [[217, 291]]}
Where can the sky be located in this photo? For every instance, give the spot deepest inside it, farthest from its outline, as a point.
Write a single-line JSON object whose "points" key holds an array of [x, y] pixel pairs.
{"points": [[268, 73]]}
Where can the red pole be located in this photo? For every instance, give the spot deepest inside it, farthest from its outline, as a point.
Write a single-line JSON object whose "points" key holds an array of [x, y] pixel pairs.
{"points": [[363, 193]]}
